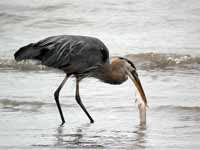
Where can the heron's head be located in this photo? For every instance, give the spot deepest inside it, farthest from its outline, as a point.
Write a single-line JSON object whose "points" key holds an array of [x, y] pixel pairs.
{"points": [[130, 70]]}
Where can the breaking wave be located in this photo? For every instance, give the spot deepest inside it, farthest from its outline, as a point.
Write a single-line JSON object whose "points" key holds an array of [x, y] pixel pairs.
{"points": [[21, 105], [177, 108], [12, 105], [145, 61], [22, 65], [148, 61]]}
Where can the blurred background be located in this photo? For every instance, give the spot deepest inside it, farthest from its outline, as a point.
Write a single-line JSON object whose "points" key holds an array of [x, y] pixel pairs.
{"points": [[126, 26]]}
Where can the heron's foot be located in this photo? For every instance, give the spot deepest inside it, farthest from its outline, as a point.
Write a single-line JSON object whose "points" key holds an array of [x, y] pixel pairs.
{"points": [[63, 122], [91, 121]]}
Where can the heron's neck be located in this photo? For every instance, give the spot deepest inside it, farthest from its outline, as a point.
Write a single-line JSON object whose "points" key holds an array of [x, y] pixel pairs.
{"points": [[113, 74]]}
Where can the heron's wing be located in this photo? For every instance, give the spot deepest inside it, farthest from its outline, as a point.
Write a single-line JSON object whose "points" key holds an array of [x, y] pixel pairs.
{"points": [[75, 52], [56, 51]]}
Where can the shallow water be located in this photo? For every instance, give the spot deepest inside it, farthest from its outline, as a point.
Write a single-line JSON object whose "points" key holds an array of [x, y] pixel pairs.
{"points": [[30, 120], [161, 38]]}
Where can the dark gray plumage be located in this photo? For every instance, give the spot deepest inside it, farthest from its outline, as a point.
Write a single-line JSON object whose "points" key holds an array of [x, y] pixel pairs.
{"points": [[82, 56], [72, 54]]}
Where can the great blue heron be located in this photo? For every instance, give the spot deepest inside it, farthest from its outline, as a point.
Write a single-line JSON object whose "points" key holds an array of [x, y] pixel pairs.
{"points": [[82, 56]]}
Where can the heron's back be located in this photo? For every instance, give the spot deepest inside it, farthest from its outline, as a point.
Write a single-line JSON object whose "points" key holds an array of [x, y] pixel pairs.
{"points": [[73, 54]]}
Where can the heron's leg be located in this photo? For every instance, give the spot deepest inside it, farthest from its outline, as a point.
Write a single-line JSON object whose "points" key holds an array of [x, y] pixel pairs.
{"points": [[78, 99], [56, 96]]}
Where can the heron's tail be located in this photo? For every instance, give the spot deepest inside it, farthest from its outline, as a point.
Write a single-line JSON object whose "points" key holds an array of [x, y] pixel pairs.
{"points": [[29, 51]]}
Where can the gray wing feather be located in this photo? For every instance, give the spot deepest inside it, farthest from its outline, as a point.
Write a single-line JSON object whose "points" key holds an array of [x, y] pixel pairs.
{"points": [[81, 52]]}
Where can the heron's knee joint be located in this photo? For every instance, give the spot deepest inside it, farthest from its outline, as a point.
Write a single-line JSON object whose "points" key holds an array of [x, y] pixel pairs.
{"points": [[78, 99], [56, 94]]}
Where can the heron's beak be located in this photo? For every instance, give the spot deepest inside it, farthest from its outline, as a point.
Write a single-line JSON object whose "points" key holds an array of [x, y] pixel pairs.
{"points": [[142, 101]]}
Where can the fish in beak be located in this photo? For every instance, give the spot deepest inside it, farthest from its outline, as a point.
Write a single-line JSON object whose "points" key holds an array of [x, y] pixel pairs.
{"points": [[142, 100]]}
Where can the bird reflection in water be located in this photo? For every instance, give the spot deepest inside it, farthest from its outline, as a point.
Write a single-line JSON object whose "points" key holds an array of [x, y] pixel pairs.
{"points": [[75, 139], [79, 138], [66, 140]]}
